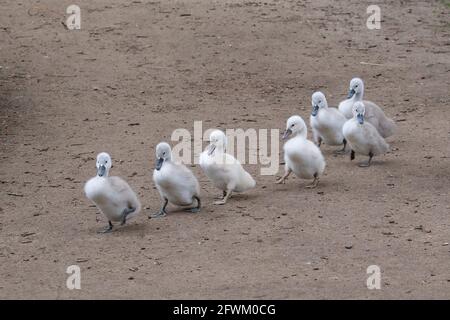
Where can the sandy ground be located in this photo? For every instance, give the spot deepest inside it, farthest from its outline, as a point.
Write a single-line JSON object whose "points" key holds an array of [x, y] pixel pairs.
{"points": [[139, 69]]}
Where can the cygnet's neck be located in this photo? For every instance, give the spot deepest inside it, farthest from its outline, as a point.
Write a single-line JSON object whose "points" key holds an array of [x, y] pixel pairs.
{"points": [[302, 134], [358, 96], [219, 149]]}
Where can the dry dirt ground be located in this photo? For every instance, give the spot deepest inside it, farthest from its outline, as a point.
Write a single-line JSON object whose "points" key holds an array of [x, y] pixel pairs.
{"points": [[139, 69]]}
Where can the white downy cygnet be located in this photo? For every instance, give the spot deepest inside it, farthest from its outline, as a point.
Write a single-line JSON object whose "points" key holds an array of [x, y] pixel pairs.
{"points": [[175, 182], [374, 114], [326, 122], [301, 156], [112, 195], [362, 135], [224, 171]]}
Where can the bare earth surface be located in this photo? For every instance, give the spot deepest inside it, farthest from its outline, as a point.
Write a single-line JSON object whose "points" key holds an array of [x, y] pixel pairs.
{"points": [[137, 70]]}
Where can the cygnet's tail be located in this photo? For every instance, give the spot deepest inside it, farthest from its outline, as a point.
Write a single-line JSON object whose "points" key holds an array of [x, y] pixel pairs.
{"points": [[135, 203], [246, 182], [322, 166], [386, 147], [381, 146], [387, 127]]}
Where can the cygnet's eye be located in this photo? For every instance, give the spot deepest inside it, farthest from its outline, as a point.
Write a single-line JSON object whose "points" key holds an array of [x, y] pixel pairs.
{"points": [[164, 153], [292, 125]]}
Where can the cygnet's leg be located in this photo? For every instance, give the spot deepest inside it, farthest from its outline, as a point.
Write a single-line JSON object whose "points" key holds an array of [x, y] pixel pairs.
{"points": [[225, 198], [352, 155], [314, 183], [197, 208], [367, 164], [283, 178], [108, 229], [125, 213], [319, 141], [162, 212], [342, 151]]}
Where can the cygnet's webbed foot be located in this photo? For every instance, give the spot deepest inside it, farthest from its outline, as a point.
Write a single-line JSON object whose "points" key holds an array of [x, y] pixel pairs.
{"points": [[284, 177], [315, 183], [312, 185], [227, 194], [367, 164], [364, 164], [342, 151], [280, 181], [193, 210], [159, 214], [107, 229], [162, 212]]}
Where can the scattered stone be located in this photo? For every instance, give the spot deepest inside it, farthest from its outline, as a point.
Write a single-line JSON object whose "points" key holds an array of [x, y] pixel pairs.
{"points": [[421, 228], [26, 234], [14, 194]]}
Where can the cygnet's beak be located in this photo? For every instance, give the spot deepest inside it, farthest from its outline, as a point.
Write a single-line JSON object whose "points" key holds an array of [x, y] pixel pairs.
{"points": [[101, 170], [286, 134], [211, 149], [351, 92], [159, 163], [315, 110], [360, 118]]}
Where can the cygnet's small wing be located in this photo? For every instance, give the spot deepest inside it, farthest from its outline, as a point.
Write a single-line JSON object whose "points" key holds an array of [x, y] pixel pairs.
{"points": [[124, 192], [187, 177], [376, 141], [385, 126]]}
